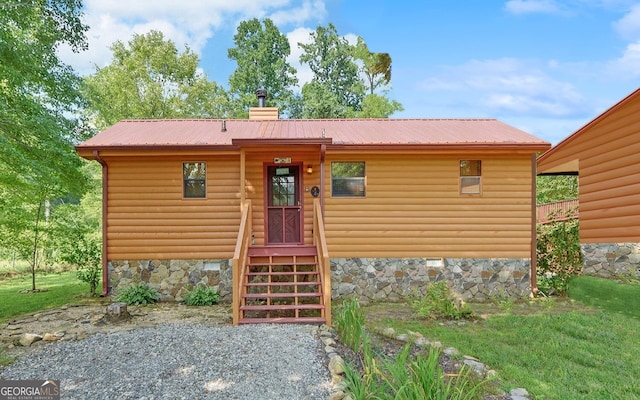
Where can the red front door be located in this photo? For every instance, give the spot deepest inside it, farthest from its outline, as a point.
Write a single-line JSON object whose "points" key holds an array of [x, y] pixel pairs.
{"points": [[284, 207]]}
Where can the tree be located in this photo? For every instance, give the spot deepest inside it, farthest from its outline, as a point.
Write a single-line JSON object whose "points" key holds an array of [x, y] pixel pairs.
{"points": [[261, 54], [331, 59], [76, 233], [149, 78], [556, 188], [375, 66], [38, 96], [376, 106]]}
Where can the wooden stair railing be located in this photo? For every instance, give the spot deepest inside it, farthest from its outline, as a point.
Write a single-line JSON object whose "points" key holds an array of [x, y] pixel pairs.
{"points": [[240, 258], [323, 259], [281, 284]]}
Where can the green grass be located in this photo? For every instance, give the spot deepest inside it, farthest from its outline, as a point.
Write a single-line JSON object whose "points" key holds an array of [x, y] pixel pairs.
{"points": [[556, 353], [63, 288], [606, 294]]}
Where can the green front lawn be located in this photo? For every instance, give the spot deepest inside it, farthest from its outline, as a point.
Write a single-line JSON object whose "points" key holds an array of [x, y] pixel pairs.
{"points": [[62, 288], [553, 350]]}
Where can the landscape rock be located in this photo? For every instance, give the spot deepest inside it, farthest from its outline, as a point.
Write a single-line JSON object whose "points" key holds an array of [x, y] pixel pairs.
{"points": [[27, 339], [50, 337]]}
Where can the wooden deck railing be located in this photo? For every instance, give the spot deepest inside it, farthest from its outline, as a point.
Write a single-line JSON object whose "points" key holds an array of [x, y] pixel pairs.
{"points": [[239, 262], [323, 259], [557, 211]]}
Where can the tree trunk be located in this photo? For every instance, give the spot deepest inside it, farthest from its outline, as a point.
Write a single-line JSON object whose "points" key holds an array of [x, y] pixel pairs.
{"points": [[34, 255]]}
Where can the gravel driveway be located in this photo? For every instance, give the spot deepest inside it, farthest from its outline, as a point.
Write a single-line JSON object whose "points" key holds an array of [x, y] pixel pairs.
{"points": [[184, 361]]}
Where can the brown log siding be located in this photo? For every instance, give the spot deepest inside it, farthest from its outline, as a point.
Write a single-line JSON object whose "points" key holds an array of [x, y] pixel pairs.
{"points": [[609, 196], [412, 207]]}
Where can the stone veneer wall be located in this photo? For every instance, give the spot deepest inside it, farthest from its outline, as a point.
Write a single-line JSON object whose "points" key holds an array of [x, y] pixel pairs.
{"points": [[374, 279], [172, 278], [611, 259], [370, 279]]}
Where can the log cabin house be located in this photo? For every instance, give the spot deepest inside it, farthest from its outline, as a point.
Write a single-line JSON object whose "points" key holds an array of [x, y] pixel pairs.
{"points": [[604, 155], [283, 215]]}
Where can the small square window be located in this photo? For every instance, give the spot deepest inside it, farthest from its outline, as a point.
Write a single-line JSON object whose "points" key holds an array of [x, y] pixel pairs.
{"points": [[194, 175], [348, 179], [470, 177]]}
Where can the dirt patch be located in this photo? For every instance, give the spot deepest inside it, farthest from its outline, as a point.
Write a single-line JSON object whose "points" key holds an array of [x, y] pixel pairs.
{"points": [[78, 321]]}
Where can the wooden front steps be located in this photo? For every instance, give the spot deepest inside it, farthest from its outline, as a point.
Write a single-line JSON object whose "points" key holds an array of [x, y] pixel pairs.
{"points": [[281, 285]]}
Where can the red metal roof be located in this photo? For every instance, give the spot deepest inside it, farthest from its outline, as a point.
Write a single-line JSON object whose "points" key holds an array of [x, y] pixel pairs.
{"points": [[345, 132]]}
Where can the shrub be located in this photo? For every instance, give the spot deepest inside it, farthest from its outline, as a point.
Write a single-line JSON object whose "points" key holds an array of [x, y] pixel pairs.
{"points": [[138, 294], [438, 302], [91, 274], [558, 255], [202, 296]]}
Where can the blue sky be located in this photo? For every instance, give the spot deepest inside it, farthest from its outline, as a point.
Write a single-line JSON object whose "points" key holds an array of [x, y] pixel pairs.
{"points": [[545, 66]]}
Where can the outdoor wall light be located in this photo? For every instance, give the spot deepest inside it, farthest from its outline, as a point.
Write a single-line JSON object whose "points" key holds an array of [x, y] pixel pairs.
{"points": [[309, 170]]}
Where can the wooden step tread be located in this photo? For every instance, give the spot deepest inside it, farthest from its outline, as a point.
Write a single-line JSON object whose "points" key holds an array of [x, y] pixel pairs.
{"points": [[281, 264], [279, 295], [264, 284], [283, 320], [274, 307], [282, 273], [266, 251]]}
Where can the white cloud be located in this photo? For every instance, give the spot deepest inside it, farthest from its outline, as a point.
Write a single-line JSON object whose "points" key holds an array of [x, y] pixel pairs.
{"points": [[531, 6], [192, 22], [628, 27], [308, 10], [507, 86], [628, 64]]}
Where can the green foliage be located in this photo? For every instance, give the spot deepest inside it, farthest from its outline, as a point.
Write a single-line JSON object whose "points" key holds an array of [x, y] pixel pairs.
{"points": [[558, 255], [556, 188], [375, 66], [439, 303], [149, 78], [335, 75], [76, 233], [202, 296], [261, 55], [38, 98], [90, 274], [376, 106], [402, 377], [138, 294], [349, 323]]}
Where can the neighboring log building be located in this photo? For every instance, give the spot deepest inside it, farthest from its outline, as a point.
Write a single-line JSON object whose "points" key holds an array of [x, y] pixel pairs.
{"points": [[604, 155]]}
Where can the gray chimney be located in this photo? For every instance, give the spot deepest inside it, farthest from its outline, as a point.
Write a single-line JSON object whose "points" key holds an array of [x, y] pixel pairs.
{"points": [[261, 94]]}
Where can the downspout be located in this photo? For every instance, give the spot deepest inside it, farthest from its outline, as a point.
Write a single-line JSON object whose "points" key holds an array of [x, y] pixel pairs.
{"points": [[105, 264], [534, 233]]}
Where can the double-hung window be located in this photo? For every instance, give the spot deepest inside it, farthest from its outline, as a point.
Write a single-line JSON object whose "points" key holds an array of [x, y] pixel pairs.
{"points": [[470, 176]]}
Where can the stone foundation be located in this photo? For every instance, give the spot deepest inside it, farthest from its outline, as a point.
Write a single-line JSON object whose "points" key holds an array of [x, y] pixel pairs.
{"points": [[611, 259], [370, 279], [172, 278], [393, 279]]}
